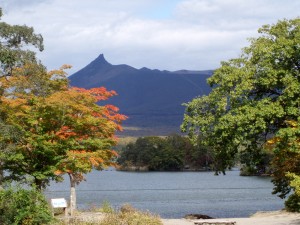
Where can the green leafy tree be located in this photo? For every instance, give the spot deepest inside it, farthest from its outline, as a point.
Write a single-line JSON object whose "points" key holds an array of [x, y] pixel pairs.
{"points": [[187, 155], [252, 99], [255, 162], [15, 43], [151, 152], [13, 51], [286, 163]]}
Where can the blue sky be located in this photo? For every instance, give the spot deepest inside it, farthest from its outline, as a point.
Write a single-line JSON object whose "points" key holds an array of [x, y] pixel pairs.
{"points": [[162, 34], [159, 10]]}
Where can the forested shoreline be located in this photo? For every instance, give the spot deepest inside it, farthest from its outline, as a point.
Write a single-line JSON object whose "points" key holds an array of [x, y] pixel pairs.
{"points": [[172, 153], [177, 153]]}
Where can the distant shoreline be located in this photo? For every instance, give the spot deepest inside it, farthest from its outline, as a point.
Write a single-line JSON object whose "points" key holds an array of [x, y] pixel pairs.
{"points": [[146, 169]]}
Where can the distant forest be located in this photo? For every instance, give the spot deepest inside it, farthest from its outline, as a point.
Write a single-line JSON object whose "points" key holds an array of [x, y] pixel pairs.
{"points": [[172, 153], [177, 153]]}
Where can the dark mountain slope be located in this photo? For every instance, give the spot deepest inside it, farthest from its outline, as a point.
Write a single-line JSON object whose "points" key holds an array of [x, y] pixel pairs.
{"points": [[152, 99]]}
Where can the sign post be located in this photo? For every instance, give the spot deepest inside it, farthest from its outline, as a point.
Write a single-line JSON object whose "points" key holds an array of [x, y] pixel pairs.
{"points": [[59, 203]]}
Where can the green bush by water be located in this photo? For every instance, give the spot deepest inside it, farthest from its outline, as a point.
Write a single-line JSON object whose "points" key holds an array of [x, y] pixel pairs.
{"points": [[26, 207], [293, 203]]}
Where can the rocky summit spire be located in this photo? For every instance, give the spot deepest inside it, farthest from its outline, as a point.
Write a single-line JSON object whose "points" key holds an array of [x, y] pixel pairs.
{"points": [[101, 60]]}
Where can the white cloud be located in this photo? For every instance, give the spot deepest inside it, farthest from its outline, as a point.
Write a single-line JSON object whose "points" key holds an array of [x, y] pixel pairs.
{"points": [[168, 34]]}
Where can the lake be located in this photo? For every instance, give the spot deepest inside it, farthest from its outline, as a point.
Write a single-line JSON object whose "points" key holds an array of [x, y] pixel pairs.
{"points": [[174, 194]]}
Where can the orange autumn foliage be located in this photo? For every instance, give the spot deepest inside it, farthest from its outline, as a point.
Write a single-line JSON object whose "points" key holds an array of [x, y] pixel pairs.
{"points": [[64, 126], [93, 130]]}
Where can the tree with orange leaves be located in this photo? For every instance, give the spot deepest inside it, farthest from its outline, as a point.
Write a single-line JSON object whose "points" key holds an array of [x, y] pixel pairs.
{"points": [[27, 152], [61, 130], [47, 128], [88, 132]]}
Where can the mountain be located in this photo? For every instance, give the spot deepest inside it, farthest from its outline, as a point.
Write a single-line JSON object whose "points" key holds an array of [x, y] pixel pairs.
{"points": [[152, 99]]}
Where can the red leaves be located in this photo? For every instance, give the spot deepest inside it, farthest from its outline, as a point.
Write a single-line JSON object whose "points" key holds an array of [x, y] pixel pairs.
{"points": [[81, 161], [114, 153], [99, 94], [112, 108], [91, 127], [65, 132], [110, 112]]}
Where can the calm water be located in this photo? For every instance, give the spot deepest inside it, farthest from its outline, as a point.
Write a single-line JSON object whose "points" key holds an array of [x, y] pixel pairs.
{"points": [[175, 194]]}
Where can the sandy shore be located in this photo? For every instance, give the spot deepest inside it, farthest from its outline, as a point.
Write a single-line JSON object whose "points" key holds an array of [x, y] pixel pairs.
{"points": [[260, 218]]}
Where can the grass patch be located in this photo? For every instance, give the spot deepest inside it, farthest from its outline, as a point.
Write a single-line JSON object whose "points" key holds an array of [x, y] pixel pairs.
{"points": [[106, 208], [127, 215], [130, 216]]}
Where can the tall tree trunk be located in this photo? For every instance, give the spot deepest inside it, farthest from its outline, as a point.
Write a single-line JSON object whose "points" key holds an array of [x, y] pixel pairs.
{"points": [[72, 195]]}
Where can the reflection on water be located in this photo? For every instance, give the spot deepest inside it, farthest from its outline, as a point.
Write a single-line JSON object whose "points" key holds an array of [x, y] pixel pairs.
{"points": [[175, 194]]}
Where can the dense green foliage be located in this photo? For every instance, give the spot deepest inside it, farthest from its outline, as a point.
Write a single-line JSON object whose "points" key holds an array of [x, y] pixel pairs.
{"points": [[15, 45], [26, 207], [255, 163], [171, 153], [292, 204], [14, 39], [254, 98]]}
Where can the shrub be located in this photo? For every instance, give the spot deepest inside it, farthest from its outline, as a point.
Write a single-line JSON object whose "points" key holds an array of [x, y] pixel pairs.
{"points": [[106, 207], [127, 208], [26, 207], [130, 216], [292, 204]]}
